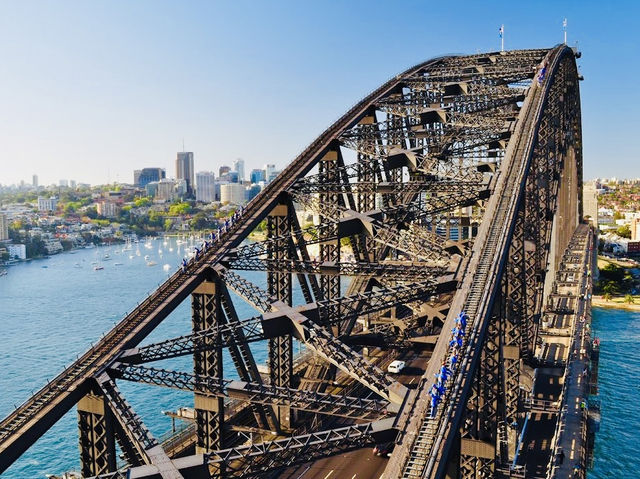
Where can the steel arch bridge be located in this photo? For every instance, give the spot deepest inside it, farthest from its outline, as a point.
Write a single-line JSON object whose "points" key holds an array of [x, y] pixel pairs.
{"points": [[453, 187]]}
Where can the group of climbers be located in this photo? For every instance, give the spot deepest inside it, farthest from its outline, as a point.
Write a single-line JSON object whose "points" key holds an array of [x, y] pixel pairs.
{"points": [[213, 238], [438, 389]]}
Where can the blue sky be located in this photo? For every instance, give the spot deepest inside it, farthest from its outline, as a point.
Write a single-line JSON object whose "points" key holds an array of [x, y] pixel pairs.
{"points": [[94, 89]]}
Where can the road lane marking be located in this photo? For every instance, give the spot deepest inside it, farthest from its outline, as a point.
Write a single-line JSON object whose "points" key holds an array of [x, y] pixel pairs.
{"points": [[354, 476], [304, 472], [412, 379], [327, 476]]}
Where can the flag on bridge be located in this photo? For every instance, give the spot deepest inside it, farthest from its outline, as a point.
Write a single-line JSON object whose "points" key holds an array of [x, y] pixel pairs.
{"points": [[501, 30]]}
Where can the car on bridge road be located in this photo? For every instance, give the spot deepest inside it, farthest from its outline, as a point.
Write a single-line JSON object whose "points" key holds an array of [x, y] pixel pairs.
{"points": [[396, 366]]}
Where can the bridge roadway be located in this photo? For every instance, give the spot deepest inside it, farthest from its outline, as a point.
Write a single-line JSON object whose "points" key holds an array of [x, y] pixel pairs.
{"points": [[29, 421], [362, 463]]}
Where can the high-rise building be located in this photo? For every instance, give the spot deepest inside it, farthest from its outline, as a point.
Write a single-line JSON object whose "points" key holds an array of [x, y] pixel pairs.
{"points": [[233, 193], [72, 184], [223, 171], [257, 176], [63, 183], [268, 172], [635, 229], [146, 175], [47, 204], [184, 169], [590, 203], [4, 227], [253, 190], [238, 166], [34, 181], [108, 209], [205, 186], [166, 190]]}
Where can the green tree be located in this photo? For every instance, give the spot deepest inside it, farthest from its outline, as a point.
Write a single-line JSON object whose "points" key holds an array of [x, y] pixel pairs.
{"points": [[610, 288], [139, 202], [178, 209], [628, 299], [168, 224], [156, 219], [624, 231], [617, 215], [612, 272], [606, 297], [200, 222]]}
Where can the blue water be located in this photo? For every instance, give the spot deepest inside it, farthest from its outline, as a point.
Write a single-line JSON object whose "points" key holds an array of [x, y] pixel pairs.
{"points": [[617, 450], [50, 315]]}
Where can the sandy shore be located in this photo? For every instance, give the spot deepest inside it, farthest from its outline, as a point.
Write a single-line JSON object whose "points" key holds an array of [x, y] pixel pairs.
{"points": [[615, 302]]}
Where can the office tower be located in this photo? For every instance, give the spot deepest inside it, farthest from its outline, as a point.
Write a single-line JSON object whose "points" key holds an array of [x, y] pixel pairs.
{"points": [[233, 193], [253, 190], [34, 181], [268, 172], [238, 166], [145, 176], [72, 184], [4, 227], [257, 176], [223, 171], [205, 186], [590, 203], [184, 169], [63, 183]]}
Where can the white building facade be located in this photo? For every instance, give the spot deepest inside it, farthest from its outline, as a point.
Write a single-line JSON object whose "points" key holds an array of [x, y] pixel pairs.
{"points": [[205, 186]]}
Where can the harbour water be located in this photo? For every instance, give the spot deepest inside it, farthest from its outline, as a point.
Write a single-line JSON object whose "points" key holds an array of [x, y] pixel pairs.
{"points": [[50, 315], [618, 441], [52, 309]]}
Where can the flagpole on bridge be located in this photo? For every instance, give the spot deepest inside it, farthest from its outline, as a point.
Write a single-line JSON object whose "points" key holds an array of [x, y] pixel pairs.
{"points": [[564, 28], [502, 37]]}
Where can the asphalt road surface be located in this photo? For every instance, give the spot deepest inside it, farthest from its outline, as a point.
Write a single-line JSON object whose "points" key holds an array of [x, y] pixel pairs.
{"points": [[362, 463]]}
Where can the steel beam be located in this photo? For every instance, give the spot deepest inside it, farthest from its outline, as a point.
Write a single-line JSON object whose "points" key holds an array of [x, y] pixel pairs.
{"points": [[97, 436], [279, 285], [207, 361], [267, 394]]}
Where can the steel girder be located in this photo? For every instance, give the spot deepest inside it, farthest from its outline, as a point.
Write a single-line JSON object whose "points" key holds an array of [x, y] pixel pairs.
{"points": [[279, 285], [207, 361], [480, 448], [379, 224], [329, 250], [97, 436], [256, 459], [267, 394], [242, 356], [424, 168], [139, 438], [324, 312], [396, 270]]}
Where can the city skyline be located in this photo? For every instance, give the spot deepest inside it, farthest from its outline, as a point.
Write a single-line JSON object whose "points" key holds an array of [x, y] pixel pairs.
{"points": [[94, 91]]}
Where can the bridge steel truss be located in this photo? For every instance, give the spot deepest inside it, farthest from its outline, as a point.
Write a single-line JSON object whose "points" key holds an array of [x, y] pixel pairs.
{"points": [[455, 183]]}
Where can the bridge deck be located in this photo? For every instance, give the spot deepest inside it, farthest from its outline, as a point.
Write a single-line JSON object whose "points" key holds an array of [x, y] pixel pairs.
{"points": [[564, 388]]}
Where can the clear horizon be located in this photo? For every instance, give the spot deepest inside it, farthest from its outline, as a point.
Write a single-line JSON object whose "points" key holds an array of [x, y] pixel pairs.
{"points": [[94, 91]]}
